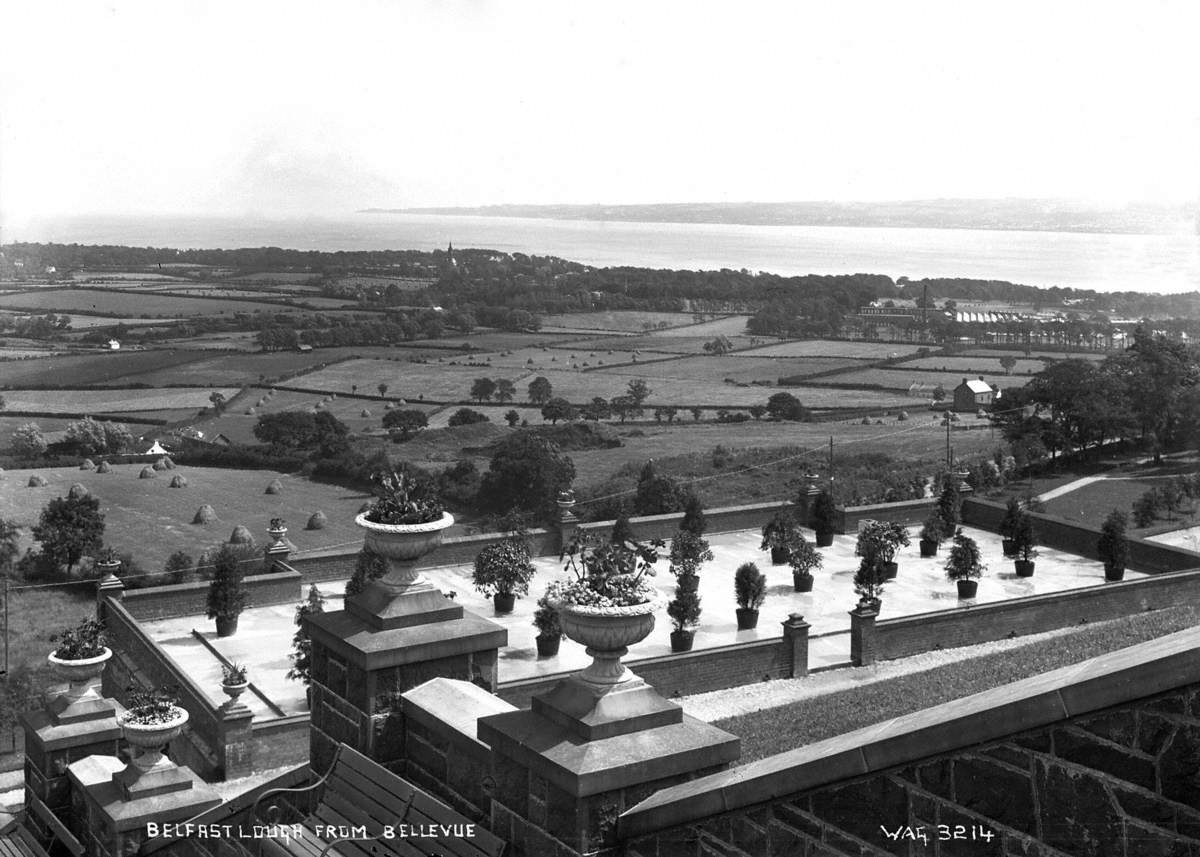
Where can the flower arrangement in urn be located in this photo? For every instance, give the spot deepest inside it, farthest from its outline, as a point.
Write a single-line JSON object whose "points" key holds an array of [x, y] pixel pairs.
{"points": [[607, 574], [82, 642], [402, 499], [154, 707]]}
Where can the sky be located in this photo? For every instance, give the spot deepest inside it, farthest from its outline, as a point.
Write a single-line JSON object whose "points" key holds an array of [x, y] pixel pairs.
{"points": [[302, 107]]}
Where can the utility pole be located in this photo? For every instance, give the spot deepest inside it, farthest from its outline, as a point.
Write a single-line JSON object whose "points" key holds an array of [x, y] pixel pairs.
{"points": [[831, 464]]}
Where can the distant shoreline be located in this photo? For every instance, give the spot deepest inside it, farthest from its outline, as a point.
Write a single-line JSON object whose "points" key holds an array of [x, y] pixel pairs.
{"points": [[1002, 215]]}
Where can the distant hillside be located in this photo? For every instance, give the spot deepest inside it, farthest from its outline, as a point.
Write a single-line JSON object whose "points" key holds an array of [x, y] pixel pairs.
{"points": [[1039, 215]]}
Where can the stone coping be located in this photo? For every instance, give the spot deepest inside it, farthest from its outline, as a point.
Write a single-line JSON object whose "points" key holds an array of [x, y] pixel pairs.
{"points": [[453, 703], [1149, 668]]}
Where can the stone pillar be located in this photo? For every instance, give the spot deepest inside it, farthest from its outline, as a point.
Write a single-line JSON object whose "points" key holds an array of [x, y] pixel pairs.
{"points": [[795, 630], [235, 740], [960, 476], [808, 493], [862, 635], [278, 550], [115, 805], [568, 522], [583, 754], [63, 732], [110, 586]]}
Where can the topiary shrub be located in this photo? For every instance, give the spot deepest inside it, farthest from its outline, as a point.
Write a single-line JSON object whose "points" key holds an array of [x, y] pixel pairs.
{"points": [[317, 521], [749, 586], [205, 515]]}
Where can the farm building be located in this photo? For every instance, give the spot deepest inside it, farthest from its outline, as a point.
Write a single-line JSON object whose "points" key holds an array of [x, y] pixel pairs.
{"points": [[973, 394]]}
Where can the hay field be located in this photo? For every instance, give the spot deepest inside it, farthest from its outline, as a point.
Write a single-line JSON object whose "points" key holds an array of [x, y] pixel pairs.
{"points": [[972, 366], [737, 367], [835, 348], [130, 304], [681, 341], [619, 321], [153, 520], [439, 381], [900, 379], [113, 401]]}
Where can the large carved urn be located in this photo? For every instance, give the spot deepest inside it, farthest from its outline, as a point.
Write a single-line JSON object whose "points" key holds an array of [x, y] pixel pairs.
{"points": [[402, 545], [607, 632]]}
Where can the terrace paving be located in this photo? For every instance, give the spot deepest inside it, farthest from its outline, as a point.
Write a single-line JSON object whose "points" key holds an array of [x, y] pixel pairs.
{"points": [[264, 638]]}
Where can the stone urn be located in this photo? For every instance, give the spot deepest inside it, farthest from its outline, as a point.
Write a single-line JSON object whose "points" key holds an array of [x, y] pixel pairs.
{"points": [[80, 675], [233, 691], [108, 568], [402, 545], [149, 739], [277, 535], [607, 632]]}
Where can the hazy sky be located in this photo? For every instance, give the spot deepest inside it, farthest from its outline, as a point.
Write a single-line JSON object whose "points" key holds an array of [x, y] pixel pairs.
{"points": [[325, 107]]}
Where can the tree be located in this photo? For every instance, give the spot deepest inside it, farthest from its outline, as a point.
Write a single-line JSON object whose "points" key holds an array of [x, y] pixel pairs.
{"points": [[27, 441], [301, 656], [597, 409], [9, 546], [696, 413], [657, 494], [405, 423], [506, 391], [558, 409], [785, 406], [526, 473], [179, 567], [117, 437], [466, 417], [939, 393], [86, 436], [69, 528], [512, 418], [625, 407], [218, 401], [227, 591], [540, 390], [482, 389], [757, 411], [638, 391], [382, 388], [1113, 545], [1007, 362], [368, 566], [693, 516]]}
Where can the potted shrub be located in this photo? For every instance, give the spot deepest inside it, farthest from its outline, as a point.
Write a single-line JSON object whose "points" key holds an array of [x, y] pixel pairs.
{"points": [[803, 558], [932, 533], [964, 565], [949, 505], [1113, 545], [227, 590], [684, 610], [607, 603], [151, 720], [1024, 542], [879, 541], [779, 534], [1008, 526], [824, 518], [301, 655], [404, 523], [233, 680], [80, 656], [503, 570], [550, 632], [750, 589]]}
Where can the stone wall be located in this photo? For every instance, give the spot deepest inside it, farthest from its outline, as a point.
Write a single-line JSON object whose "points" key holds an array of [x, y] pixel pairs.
{"points": [[1096, 759], [907, 512], [189, 599], [1080, 538]]}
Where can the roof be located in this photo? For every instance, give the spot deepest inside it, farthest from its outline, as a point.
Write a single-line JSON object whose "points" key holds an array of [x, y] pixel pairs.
{"points": [[978, 385]]}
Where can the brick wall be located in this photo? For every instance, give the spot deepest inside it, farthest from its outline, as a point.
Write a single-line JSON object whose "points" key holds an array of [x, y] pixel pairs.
{"points": [[685, 673], [965, 626], [1095, 760], [1079, 538], [187, 599], [283, 741], [907, 512]]}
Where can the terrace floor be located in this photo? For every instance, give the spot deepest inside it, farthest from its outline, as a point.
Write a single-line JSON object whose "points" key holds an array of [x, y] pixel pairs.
{"points": [[264, 637]]}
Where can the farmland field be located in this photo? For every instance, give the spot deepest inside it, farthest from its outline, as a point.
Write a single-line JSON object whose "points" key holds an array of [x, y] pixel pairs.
{"points": [[834, 348], [99, 367], [746, 369], [731, 326], [113, 401], [1036, 354], [406, 380], [153, 520], [126, 303], [619, 321], [661, 341], [973, 366], [901, 379]]}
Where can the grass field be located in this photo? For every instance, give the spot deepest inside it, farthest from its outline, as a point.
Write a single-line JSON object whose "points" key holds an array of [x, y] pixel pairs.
{"points": [[972, 366], [619, 321], [902, 379], [1036, 354], [731, 326], [662, 342], [744, 369], [153, 520], [128, 304], [406, 380], [834, 348], [113, 401]]}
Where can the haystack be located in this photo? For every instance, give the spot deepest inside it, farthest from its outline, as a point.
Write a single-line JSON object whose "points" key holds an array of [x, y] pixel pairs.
{"points": [[161, 464], [204, 515], [365, 413], [36, 481], [87, 464], [250, 412], [317, 521], [104, 467], [148, 472], [78, 491], [178, 481], [241, 536], [275, 487]]}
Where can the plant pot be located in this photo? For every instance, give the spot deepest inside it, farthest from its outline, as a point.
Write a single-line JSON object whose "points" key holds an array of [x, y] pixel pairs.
{"points": [[547, 647], [1009, 546], [681, 641], [108, 569], [233, 691], [504, 602], [890, 570], [150, 739], [608, 632], [1024, 567], [928, 548], [802, 582], [747, 618], [824, 540], [967, 588], [402, 545], [1114, 573], [80, 674], [779, 555], [227, 626]]}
